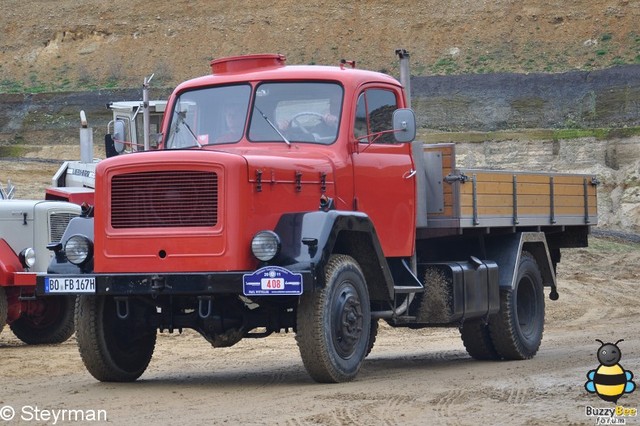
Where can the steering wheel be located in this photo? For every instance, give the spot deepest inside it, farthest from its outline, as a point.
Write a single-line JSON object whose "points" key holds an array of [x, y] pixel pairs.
{"points": [[296, 123]]}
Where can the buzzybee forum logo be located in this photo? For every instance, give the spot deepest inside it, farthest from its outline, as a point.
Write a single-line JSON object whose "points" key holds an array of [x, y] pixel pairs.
{"points": [[609, 381]]}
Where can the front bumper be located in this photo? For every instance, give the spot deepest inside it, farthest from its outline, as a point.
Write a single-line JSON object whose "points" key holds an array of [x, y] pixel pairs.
{"points": [[187, 284]]}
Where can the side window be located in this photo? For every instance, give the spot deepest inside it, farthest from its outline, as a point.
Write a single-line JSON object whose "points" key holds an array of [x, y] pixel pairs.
{"points": [[360, 128], [374, 113]]}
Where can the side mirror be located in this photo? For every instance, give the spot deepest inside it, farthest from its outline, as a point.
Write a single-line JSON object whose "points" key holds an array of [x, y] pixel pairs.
{"points": [[118, 136], [404, 125]]}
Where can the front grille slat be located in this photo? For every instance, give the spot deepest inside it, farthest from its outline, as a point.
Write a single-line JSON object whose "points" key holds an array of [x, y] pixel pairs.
{"points": [[161, 199], [58, 222]]}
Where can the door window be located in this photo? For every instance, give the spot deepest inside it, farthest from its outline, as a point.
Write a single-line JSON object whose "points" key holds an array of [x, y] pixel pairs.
{"points": [[374, 114]]}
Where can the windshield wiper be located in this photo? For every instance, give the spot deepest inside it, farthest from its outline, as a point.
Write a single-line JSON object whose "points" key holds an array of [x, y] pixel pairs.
{"points": [[273, 126], [182, 121]]}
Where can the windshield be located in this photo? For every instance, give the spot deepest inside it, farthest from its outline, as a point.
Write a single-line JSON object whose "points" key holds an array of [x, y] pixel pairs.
{"points": [[282, 112], [301, 111], [209, 116]]}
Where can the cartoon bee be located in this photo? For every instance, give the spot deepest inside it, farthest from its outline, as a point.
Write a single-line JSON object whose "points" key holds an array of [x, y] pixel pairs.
{"points": [[609, 381]]}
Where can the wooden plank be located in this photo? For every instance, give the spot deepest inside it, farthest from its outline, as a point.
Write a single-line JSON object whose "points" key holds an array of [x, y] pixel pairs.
{"points": [[524, 189], [524, 200], [522, 211]]}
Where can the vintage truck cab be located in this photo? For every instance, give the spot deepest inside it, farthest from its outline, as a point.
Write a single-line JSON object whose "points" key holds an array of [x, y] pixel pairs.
{"points": [[295, 197]]}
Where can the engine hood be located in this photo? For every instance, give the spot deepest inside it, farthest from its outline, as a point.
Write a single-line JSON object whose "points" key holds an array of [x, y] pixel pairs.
{"points": [[292, 166]]}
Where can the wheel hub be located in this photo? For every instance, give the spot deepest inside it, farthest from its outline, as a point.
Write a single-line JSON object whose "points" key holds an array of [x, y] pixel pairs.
{"points": [[348, 321]]}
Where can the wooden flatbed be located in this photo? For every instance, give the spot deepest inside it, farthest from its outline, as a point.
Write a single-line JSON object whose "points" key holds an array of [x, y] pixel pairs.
{"points": [[459, 199]]}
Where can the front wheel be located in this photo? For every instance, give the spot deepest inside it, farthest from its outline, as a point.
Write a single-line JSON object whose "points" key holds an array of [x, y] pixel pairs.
{"points": [[114, 349], [334, 323], [51, 323], [516, 331]]}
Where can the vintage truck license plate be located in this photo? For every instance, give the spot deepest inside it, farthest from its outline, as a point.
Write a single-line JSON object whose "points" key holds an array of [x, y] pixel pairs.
{"points": [[272, 281], [70, 285]]}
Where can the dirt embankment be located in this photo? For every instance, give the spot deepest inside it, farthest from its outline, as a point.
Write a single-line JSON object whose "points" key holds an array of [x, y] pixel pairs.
{"points": [[65, 45]]}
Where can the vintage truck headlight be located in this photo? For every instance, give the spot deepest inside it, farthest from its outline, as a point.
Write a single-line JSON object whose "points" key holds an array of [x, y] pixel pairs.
{"points": [[27, 257], [78, 249], [265, 245]]}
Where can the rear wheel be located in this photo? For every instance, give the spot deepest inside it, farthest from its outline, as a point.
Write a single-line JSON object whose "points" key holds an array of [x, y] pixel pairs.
{"points": [[4, 308], [114, 349], [477, 340], [334, 323], [516, 331], [53, 322]]}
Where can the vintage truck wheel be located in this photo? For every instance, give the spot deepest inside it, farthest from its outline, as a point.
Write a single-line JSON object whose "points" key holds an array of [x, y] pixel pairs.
{"points": [[4, 308], [334, 323], [113, 349], [477, 340], [373, 334], [53, 322], [516, 331]]}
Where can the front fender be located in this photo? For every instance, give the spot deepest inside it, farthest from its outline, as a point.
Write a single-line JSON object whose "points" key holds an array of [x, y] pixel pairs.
{"points": [[310, 238]]}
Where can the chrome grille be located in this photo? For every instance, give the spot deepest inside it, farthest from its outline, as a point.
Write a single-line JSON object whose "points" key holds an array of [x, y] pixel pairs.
{"points": [[58, 222], [162, 199]]}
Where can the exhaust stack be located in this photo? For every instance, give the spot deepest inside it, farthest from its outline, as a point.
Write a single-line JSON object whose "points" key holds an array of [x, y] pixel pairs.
{"points": [[405, 77], [86, 140]]}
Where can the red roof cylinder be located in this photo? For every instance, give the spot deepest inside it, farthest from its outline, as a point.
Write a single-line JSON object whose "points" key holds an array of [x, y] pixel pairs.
{"points": [[236, 64]]}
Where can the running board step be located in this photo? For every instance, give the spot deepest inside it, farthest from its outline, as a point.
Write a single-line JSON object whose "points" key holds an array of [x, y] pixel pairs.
{"points": [[404, 289], [404, 278]]}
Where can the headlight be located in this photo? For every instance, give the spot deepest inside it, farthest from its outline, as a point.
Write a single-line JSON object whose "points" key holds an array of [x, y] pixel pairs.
{"points": [[78, 249], [27, 257], [265, 245]]}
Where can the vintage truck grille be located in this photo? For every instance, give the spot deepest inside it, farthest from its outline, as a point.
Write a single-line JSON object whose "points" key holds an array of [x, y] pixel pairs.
{"points": [[58, 223], [162, 199]]}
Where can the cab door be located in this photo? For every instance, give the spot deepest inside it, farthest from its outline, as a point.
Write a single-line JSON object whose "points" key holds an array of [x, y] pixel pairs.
{"points": [[384, 174]]}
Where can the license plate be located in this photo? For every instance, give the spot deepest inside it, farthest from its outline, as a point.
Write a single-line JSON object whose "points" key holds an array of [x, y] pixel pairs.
{"points": [[70, 285], [272, 281]]}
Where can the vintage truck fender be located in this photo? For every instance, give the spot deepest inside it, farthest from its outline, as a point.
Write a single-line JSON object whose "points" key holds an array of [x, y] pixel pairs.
{"points": [[506, 252], [9, 264], [309, 238]]}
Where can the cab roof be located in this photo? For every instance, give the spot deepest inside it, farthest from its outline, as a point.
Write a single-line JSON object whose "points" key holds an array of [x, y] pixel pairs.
{"points": [[271, 67], [131, 106]]}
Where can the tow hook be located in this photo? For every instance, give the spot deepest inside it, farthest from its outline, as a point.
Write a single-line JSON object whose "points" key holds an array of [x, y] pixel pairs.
{"points": [[204, 306], [122, 307]]}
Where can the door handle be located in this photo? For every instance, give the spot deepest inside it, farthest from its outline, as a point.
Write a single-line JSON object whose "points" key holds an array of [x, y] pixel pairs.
{"points": [[409, 174]]}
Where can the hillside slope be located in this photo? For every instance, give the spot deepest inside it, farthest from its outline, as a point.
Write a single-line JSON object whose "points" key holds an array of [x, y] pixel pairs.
{"points": [[64, 45]]}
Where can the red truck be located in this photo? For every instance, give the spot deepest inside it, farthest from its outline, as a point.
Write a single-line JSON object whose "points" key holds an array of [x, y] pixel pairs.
{"points": [[295, 198]]}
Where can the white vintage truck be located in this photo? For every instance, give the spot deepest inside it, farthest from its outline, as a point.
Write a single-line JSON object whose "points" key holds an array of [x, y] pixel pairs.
{"points": [[27, 227]]}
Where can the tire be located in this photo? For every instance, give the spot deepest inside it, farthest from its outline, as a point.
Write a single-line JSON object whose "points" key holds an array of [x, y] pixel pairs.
{"points": [[334, 323], [113, 349], [477, 340], [54, 324], [516, 331], [373, 333], [4, 308]]}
